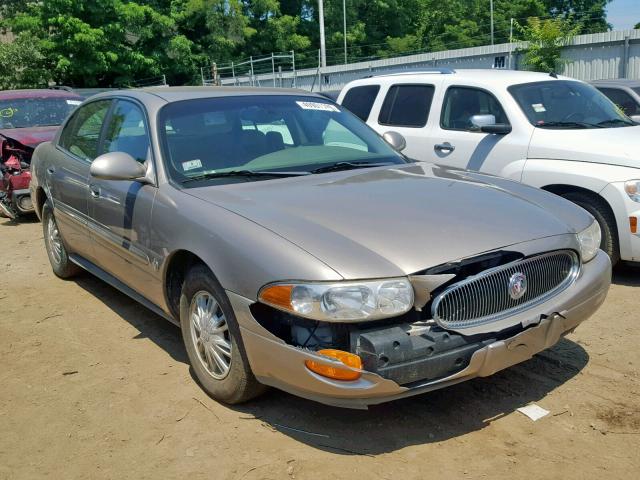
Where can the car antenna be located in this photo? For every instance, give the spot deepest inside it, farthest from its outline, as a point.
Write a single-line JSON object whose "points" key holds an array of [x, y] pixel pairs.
{"points": [[553, 74]]}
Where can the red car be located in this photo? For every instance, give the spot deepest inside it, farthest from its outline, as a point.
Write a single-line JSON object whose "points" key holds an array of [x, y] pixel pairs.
{"points": [[27, 118]]}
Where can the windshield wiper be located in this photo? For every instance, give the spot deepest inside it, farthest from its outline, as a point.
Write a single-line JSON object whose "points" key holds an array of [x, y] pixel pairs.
{"points": [[243, 173], [616, 121], [336, 167], [569, 125]]}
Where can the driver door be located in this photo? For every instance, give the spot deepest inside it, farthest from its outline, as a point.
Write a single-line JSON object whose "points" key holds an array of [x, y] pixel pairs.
{"points": [[457, 145], [120, 210]]}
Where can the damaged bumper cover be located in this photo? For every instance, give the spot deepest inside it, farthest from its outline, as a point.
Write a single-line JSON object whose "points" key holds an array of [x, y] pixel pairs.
{"points": [[280, 365]]}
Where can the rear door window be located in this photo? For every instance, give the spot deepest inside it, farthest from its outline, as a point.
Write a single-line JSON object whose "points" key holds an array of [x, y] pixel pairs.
{"points": [[359, 100], [406, 106], [623, 100], [462, 103], [81, 134]]}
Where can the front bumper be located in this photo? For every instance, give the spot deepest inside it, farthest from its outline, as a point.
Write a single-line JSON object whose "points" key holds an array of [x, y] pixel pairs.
{"points": [[282, 366]]}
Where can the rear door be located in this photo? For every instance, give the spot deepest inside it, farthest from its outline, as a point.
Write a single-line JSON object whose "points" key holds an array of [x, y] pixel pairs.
{"points": [[68, 171], [120, 210], [456, 143]]}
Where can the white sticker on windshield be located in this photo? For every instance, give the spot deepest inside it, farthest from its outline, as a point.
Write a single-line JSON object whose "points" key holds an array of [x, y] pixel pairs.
{"points": [[191, 164], [538, 107], [325, 107], [74, 102]]}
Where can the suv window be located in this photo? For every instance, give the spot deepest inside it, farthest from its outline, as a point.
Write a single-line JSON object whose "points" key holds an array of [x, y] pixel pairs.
{"points": [[406, 106], [127, 131], [359, 100], [623, 100], [462, 103], [82, 133]]}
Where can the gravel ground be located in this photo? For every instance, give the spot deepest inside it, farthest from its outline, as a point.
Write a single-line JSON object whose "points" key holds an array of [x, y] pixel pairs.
{"points": [[93, 385]]}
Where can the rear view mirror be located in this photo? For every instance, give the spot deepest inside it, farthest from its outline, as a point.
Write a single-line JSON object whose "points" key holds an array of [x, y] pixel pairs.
{"points": [[396, 140], [117, 166], [480, 121], [635, 118]]}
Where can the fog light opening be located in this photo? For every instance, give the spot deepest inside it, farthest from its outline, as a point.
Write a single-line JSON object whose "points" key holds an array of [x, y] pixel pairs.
{"points": [[336, 372]]}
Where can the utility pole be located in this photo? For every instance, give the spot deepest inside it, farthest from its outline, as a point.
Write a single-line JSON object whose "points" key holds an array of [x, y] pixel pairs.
{"points": [[491, 7], [344, 28], [323, 51]]}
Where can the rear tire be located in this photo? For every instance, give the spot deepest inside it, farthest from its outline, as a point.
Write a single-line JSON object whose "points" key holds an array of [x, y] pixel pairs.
{"points": [[597, 207], [212, 339], [61, 265]]}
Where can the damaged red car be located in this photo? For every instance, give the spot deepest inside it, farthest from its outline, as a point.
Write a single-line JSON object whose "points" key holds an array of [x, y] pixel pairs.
{"points": [[27, 118]]}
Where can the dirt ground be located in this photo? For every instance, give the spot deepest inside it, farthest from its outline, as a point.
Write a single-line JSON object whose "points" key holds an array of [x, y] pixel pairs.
{"points": [[93, 385]]}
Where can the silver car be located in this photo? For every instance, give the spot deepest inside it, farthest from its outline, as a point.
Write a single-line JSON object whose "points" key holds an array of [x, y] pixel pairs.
{"points": [[297, 249]]}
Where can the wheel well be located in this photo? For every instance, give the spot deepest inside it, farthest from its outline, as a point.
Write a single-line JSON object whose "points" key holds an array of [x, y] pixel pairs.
{"points": [[41, 197], [564, 189], [179, 264]]}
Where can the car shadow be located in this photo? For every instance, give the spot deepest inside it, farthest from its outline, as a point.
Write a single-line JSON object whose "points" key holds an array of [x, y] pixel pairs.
{"points": [[426, 418], [8, 222], [626, 274], [160, 331]]}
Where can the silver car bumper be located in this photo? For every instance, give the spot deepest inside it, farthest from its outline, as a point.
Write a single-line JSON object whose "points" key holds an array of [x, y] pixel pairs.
{"points": [[282, 366]]}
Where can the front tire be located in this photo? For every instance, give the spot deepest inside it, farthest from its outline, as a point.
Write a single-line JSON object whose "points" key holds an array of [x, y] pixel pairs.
{"points": [[212, 339], [605, 218], [61, 265]]}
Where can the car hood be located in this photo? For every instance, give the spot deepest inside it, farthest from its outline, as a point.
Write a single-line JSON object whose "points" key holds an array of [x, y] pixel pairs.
{"points": [[613, 146], [395, 221], [30, 136]]}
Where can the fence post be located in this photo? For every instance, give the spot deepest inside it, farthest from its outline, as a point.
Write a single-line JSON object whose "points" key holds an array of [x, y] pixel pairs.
{"points": [[251, 63], [233, 74], [164, 80], [293, 63], [319, 70], [625, 60], [273, 70], [202, 75], [280, 75]]}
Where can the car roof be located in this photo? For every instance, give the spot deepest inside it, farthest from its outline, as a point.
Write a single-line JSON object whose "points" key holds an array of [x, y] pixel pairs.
{"points": [[37, 93], [495, 76], [176, 94], [618, 82]]}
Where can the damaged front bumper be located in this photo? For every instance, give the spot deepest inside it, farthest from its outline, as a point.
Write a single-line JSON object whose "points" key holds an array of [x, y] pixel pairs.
{"points": [[280, 365]]}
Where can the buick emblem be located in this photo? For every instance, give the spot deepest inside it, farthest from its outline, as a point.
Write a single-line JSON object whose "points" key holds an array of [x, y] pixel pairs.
{"points": [[517, 285]]}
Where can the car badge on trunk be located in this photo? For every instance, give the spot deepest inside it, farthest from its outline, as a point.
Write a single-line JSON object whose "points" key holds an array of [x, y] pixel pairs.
{"points": [[517, 285]]}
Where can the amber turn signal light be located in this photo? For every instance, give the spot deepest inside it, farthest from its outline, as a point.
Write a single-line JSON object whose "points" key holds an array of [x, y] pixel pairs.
{"points": [[633, 224], [336, 372], [277, 295]]}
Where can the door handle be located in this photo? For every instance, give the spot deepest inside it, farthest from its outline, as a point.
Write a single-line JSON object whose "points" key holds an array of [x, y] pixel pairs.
{"points": [[444, 147], [95, 191]]}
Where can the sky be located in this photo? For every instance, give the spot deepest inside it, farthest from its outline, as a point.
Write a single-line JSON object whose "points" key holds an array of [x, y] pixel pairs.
{"points": [[623, 14]]}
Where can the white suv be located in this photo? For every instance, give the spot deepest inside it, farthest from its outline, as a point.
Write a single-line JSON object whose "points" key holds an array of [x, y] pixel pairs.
{"points": [[548, 131]]}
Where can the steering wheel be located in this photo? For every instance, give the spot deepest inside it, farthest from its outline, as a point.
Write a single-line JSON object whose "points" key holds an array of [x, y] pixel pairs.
{"points": [[573, 117]]}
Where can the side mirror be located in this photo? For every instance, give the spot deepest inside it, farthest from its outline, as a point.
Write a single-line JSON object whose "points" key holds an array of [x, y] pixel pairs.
{"points": [[117, 166], [487, 124], [635, 118], [396, 140]]}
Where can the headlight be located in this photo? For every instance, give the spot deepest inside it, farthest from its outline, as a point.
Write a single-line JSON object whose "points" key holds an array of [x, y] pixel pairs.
{"points": [[589, 239], [341, 301], [632, 187]]}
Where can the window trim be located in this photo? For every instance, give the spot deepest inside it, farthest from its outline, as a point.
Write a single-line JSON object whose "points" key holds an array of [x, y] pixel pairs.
{"points": [[413, 84], [378, 88], [73, 118], [468, 87]]}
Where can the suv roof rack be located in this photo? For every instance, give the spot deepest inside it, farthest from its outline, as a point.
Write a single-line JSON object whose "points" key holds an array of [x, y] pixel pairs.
{"points": [[414, 71]]}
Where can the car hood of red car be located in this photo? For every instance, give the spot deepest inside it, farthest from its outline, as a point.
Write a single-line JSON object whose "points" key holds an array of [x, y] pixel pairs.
{"points": [[30, 136]]}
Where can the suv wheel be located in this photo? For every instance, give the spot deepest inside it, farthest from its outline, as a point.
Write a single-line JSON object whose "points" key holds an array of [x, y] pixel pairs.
{"points": [[61, 265], [212, 339], [603, 215]]}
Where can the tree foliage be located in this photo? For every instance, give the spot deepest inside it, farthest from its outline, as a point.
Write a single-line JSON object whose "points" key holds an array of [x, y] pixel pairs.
{"points": [[546, 39], [120, 42]]}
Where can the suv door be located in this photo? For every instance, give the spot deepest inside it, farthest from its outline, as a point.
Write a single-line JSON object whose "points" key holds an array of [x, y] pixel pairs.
{"points": [[457, 143], [406, 109], [68, 171], [120, 210]]}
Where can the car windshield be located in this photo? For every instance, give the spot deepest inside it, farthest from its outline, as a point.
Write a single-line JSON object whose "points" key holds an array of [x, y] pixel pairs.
{"points": [[36, 111], [567, 104], [239, 138]]}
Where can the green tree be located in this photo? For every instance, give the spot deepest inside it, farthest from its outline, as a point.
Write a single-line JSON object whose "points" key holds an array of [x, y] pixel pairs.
{"points": [[22, 64], [591, 14], [546, 39]]}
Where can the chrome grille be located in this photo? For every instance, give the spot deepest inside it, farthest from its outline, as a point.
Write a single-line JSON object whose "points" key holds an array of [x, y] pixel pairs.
{"points": [[486, 297]]}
